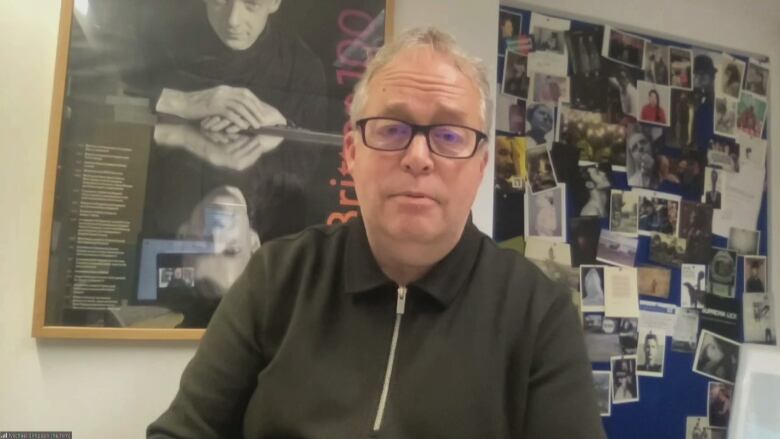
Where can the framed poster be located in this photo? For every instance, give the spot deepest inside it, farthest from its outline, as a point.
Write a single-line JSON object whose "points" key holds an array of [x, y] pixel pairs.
{"points": [[183, 135]]}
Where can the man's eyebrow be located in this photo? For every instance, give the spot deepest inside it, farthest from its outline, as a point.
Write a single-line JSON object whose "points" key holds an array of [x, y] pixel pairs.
{"points": [[442, 114]]}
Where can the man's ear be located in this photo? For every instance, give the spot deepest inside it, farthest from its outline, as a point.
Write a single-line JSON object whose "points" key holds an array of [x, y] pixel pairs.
{"points": [[274, 6], [485, 156], [349, 149]]}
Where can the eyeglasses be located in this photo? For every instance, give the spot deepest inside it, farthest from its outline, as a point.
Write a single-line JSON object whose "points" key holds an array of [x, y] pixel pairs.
{"points": [[451, 141]]}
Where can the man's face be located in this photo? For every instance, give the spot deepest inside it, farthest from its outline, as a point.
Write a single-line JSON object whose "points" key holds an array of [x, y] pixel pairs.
{"points": [[413, 195], [238, 23], [651, 351], [542, 118]]}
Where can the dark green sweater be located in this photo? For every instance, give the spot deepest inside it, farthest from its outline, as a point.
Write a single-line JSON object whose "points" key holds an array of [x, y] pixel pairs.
{"points": [[485, 347]]}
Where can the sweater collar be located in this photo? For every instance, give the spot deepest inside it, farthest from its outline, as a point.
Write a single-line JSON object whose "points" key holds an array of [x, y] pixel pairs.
{"points": [[443, 282]]}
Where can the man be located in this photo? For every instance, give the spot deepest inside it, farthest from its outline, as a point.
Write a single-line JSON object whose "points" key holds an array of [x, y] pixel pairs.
{"points": [[652, 357], [754, 282], [712, 197], [405, 323]]}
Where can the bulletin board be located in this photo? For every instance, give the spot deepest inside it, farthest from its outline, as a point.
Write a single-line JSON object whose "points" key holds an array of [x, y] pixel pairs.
{"points": [[632, 168]]}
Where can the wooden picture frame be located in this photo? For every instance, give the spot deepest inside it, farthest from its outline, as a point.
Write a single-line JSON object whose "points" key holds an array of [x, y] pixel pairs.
{"points": [[352, 30]]}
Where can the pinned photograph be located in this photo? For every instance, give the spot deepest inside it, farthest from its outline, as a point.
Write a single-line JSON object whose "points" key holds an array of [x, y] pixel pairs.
{"points": [[516, 79], [714, 182], [584, 235], [510, 114], [602, 384], [642, 144], [596, 140], [623, 47], [554, 259], [622, 95], [722, 270], [178, 277], [716, 357], [621, 295], [690, 170], [754, 274], [725, 117], [510, 173], [719, 404], [667, 250], [654, 103], [757, 79], [693, 285], [616, 249], [681, 128], [597, 186], [656, 63], [704, 70], [729, 77], [549, 89], [653, 281], [624, 212], [681, 61], [541, 175], [659, 212], [624, 380], [697, 428], [584, 47], [546, 214], [651, 353], [757, 318], [696, 229], [752, 153], [550, 53], [540, 124], [509, 28], [751, 114], [592, 287], [686, 330], [723, 154], [744, 242], [602, 339]]}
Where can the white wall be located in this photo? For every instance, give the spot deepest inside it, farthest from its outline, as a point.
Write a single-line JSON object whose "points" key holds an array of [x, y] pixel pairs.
{"points": [[114, 389]]}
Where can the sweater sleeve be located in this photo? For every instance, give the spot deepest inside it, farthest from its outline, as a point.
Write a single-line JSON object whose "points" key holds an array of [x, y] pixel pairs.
{"points": [[220, 379], [561, 400]]}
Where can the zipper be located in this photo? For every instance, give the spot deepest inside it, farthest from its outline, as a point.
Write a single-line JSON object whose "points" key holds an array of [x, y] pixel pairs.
{"points": [[400, 306]]}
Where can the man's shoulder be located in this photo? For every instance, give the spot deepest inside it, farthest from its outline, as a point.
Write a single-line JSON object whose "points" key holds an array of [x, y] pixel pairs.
{"points": [[309, 241]]}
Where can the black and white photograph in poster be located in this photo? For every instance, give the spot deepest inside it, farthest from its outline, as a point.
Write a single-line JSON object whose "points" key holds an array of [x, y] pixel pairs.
{"points": [[744, 242], [623, 47], [751, 114], [757, 78], [554, 259], [540, 124], [693, 285], [541, 174], [509, 28], [723, 272], [681, 61], [549, 89], [668, 250], [714, 182], [617, 249], [550, 53], [587, 79], [659, 212], [226, 139], [654, 103], [686, 330], [596, 194], [719, 404], [516, 79], [625, 385], [624, 212], [716, 357], [510, 114], [546, 214], [651, 353], [696, 229], [725, 117], [757, 318], [592, 287], [682, 117], [729, 77], [602, 340], [584, 235], [642, 145], [723, 154], [656, 64], [697, 428], [602, 384], [754, 269]]}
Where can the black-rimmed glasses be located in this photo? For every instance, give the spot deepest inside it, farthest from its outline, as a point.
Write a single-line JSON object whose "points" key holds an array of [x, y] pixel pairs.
{"points": [[446, 140]]}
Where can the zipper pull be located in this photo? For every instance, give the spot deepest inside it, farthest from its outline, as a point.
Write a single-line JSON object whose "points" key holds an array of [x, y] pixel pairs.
{"points": [[400, 304]]}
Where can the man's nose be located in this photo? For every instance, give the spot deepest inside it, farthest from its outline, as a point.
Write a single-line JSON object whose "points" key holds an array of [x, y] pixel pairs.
{"points": [[417, 157], [235, 12]]}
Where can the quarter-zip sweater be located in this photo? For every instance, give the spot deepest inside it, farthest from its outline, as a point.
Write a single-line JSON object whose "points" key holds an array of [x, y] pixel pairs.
{"points": [[314, 341]]}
